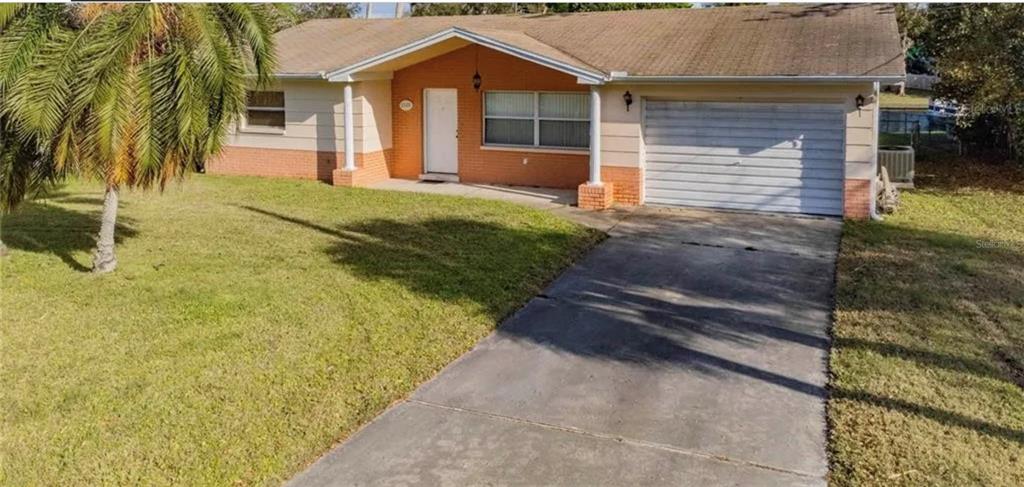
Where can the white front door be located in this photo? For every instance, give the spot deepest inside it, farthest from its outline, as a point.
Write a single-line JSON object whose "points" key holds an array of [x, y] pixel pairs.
{"points": [[440, 131]]}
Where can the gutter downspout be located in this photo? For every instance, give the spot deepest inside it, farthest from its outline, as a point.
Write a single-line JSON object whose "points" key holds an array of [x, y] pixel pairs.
{"points": [[873, 211]]}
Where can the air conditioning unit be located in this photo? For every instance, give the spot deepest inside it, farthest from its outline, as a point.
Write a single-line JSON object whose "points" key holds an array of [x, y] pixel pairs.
{"points": [[899, 161]]}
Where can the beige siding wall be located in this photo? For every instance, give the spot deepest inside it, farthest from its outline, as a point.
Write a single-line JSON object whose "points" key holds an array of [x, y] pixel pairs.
{"points": [[622, 141], [374, 127], [315, 120]]}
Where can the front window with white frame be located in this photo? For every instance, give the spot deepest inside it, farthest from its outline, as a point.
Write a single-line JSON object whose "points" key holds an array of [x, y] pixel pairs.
{"points": [[265, 110], [537, 119]]}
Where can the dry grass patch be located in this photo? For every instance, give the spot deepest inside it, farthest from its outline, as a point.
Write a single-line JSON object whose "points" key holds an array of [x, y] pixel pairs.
{"points": [[929, 335]]}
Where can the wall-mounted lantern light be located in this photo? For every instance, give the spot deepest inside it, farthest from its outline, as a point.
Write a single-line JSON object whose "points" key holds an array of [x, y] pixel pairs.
{"points": [[860, 102], [628, 98], [477, 80]]}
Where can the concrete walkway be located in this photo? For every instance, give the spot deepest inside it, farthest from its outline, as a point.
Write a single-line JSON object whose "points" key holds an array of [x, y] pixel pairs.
{"points": [[558, 201], [689, 348], [529, 196]]}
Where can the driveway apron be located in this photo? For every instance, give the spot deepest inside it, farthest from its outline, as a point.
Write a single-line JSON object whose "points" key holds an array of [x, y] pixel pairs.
{"points": [[689, 348]]}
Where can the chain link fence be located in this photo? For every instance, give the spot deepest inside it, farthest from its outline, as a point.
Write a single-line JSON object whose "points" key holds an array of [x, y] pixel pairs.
{"points": [[919, 128]]}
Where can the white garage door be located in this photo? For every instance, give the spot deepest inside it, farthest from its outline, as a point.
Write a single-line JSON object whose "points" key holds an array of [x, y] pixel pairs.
{"points": [[783, 157]]}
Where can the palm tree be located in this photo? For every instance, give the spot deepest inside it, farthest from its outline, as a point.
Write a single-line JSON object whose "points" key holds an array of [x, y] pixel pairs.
{"points": [[24, 171], [133, 94]]}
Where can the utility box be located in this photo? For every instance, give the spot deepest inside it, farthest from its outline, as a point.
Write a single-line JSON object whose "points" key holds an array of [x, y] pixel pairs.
{"points": [[899, 161]]}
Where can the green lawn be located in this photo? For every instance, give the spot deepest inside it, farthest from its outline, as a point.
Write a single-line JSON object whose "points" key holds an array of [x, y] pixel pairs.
{"points": [[928, 364], [252, 323], [912, 99]]}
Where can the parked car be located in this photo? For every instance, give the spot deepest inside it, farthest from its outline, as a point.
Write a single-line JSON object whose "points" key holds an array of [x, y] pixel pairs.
{"points": [[943, 108]]}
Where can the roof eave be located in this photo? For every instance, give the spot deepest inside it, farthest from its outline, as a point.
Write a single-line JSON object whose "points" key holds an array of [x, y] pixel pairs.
{"points": [[617, 78], [310, 76]]}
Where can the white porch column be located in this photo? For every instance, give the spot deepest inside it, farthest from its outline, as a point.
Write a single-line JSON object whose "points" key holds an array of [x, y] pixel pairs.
{"points": [[595, 136], [350, 133]]}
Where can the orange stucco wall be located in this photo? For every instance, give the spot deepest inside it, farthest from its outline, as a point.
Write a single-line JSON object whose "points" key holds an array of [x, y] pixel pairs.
{"points": [[499, 72]]}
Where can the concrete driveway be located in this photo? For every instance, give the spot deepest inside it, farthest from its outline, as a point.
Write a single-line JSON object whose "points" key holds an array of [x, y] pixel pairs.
{"points": [[689, 348]]}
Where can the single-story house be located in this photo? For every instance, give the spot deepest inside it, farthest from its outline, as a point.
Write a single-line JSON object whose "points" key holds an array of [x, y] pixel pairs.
{"points": [[765, 108]]}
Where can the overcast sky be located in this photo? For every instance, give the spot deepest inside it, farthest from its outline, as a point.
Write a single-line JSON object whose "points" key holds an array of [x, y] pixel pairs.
{"points": [[381, 10]]}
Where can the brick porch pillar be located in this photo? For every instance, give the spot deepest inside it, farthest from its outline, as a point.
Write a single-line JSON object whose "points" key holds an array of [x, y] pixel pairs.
{"points": [[595, 194]]}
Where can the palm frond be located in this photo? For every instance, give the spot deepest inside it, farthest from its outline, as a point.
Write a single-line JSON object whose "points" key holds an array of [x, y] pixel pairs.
{"points": [[137, 93], [25, 170], [8, 12]]}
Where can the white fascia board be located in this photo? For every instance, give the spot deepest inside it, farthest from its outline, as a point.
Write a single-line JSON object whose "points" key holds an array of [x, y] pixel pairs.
{"points": [[369, 76], [344, 74], [755, 79], [319, 75]]}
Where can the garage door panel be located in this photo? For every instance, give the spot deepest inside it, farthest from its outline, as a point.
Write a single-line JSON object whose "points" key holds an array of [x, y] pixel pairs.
{"points": [[752, 131], [730, 205], [751, 156], [752, 145], [792, 175], [751, 121], [741, 179], [739, 189], [671, 114], [750, 199], [742, 107], [745, 152], [661, 160]]}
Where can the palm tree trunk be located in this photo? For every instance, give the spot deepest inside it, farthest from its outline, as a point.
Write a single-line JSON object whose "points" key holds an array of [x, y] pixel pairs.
{"points": [[104, 260]]}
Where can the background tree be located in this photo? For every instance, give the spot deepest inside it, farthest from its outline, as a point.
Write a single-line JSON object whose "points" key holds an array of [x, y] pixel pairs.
{"points": [[914, 23], [979, 57], [604, 7], [427, 9], [287, 15], [132, 94], [308, 11], [443, 9]]}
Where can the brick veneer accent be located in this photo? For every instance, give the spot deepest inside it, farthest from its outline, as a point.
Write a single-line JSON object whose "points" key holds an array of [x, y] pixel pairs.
{"points": [[325, 166], [370, 168], [256, 161], [590, 197], [627, 181], [857, 199], [499, 72]]}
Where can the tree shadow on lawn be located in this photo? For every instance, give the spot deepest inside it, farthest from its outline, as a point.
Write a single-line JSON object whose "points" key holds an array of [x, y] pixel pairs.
{"points": [[598, 313], [943, 416], [948, 302], [455, 260], [616, 319], [46, 228]]}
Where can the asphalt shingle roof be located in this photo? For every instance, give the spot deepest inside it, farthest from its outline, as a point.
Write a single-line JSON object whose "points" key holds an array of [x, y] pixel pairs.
{"points": [[805, 40]]}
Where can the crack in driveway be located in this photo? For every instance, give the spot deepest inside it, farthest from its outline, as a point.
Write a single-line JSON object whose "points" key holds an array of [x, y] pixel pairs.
{"points": [[604, 436]]}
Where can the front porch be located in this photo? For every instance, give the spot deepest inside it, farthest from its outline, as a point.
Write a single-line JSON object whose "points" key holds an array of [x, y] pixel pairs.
{"points": [[469, 110]]}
